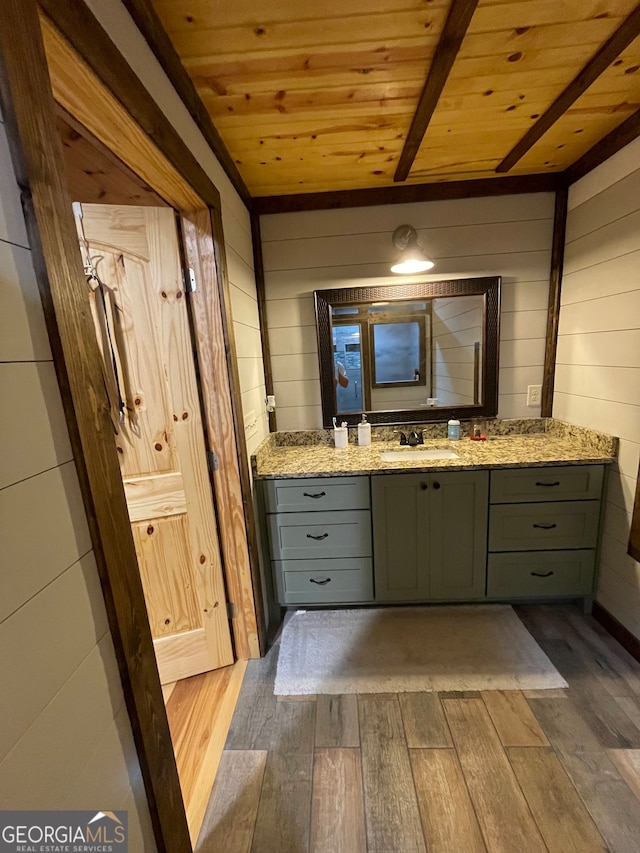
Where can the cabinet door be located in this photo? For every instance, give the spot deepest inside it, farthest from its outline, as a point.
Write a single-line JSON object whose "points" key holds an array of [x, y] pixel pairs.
{"points": [[400, 536], [458, 507]]}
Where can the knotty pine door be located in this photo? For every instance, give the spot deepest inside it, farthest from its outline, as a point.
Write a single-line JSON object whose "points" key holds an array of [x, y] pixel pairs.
{"points": [[160, 437]]}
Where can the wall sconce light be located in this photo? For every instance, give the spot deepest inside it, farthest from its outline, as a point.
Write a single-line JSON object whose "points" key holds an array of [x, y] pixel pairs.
{"points": [[412, 258]]}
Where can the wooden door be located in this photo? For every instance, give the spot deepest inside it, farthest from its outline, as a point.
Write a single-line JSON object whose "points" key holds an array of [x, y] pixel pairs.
{"points": [[150, 371]]}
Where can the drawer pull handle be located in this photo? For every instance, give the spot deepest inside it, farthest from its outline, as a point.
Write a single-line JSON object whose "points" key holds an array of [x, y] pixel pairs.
{"points": [[320, 583], [541, 574], [317, 538], [549, 485], [318, 495], [546, 526]]}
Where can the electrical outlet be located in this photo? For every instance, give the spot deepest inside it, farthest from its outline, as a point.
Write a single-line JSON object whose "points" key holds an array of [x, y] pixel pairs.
{"points": [[534, 392]]}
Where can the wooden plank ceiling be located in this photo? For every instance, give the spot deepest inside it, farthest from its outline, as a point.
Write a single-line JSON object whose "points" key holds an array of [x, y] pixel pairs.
{"points": [[312, 97]]}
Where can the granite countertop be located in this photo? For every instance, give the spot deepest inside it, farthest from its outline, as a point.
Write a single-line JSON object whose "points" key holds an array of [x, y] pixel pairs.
{"points": [[554, 447]]}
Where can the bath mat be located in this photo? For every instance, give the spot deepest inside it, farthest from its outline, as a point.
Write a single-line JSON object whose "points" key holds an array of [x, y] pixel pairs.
{"points": [[410, 649]]}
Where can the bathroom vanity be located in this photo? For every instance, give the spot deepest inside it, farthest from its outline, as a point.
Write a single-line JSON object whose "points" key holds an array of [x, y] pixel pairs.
{"points": [[510, 519]]}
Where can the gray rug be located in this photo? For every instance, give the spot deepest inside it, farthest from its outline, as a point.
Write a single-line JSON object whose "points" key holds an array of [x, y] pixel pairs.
{"points": [[411, 649]]}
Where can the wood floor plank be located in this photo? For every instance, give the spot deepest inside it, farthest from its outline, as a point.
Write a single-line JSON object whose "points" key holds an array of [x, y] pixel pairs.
{"points": [[337, 721], [608, 649], [167, 690], [212, 750], [564, 822], [503, 814], [337, 807], [537, 622], [230, 817], [424, 721], [552, 693], [627, 762], [449, 821], [252, 723], [513, 718], [306, 697], [631, 706], [284, 812], [604, 715], [391, 808], [608, 798], [601, 661], [293, 728]]}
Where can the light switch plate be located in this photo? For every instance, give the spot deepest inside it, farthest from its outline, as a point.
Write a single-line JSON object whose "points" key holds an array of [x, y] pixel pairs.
{"points": [[534, 393]]}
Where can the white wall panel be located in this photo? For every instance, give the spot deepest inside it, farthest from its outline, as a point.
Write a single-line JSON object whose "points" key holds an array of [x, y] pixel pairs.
{"points": [[44, 531], [23, 334], [12, 226], [33, 431], [598, 359], [317, 250]]}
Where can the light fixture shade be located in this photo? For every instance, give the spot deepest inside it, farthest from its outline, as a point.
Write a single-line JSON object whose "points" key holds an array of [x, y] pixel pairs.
{"points": [[412, 258]]}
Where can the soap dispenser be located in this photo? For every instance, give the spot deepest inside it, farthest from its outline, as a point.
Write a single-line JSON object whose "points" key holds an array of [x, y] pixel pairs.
{"points": [[364, 432]]}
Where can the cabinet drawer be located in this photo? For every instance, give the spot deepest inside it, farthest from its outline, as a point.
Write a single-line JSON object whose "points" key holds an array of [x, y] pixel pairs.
{"points": [[523, 527], [534, 574], [324, 581], [303, 535], [569, 482], [318, 494]]}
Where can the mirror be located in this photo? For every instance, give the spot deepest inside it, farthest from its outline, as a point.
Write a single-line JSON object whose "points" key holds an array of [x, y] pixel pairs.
{"points": [[409, 353]]}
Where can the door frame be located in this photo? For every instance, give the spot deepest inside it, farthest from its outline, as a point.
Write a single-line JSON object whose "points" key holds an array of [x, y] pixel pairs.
{"points": [[157, 154]]}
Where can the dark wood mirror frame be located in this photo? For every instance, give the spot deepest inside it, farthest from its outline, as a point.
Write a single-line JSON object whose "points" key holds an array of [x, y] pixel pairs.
{"points": [[488, 287]]}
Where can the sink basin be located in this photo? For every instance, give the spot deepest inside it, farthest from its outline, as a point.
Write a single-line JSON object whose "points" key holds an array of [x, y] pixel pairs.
{"points": [[416, 455]]}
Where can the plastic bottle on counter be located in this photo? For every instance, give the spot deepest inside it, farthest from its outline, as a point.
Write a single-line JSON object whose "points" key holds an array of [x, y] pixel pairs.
{"points": [[364, 432], [453, 429]]}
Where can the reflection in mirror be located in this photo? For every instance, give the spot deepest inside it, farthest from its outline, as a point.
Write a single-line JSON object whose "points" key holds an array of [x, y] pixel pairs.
{"points": [[402, 359]]}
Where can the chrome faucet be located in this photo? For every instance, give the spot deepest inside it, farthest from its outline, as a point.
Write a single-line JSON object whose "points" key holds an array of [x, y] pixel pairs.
{"points": [[412, 439]]}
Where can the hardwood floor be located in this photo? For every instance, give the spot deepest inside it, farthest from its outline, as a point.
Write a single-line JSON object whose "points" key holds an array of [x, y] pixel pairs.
{"points": [[199, 710], [497, 771]]}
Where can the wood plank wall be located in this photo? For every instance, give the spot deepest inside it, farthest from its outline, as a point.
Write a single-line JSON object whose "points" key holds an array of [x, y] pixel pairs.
{"points": [[303, 252], [57, 664], [598, 359]]}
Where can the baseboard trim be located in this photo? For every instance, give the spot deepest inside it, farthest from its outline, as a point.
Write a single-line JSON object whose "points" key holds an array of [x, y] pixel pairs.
{"points": [[617, 630]]}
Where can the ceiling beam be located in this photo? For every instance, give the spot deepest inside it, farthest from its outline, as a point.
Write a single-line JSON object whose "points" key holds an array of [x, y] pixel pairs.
{"points": [[613, 47], [82, 30], [409, 193], [616, 139], [149, 24], [454, 31]]}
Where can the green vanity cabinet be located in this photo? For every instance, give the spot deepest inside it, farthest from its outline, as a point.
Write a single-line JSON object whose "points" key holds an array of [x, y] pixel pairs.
{"points": [[320, 539], [543, 531], [430, 536]]}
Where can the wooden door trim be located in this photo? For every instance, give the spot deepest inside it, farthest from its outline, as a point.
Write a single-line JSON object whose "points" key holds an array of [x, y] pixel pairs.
{"points": [[204, 254], [29, 113], [553, 308]]}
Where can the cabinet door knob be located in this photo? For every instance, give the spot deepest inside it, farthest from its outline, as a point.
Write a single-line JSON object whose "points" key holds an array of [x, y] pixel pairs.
{"points": [[545, 526], [436, 485], [424, 486], [317, 538]]}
